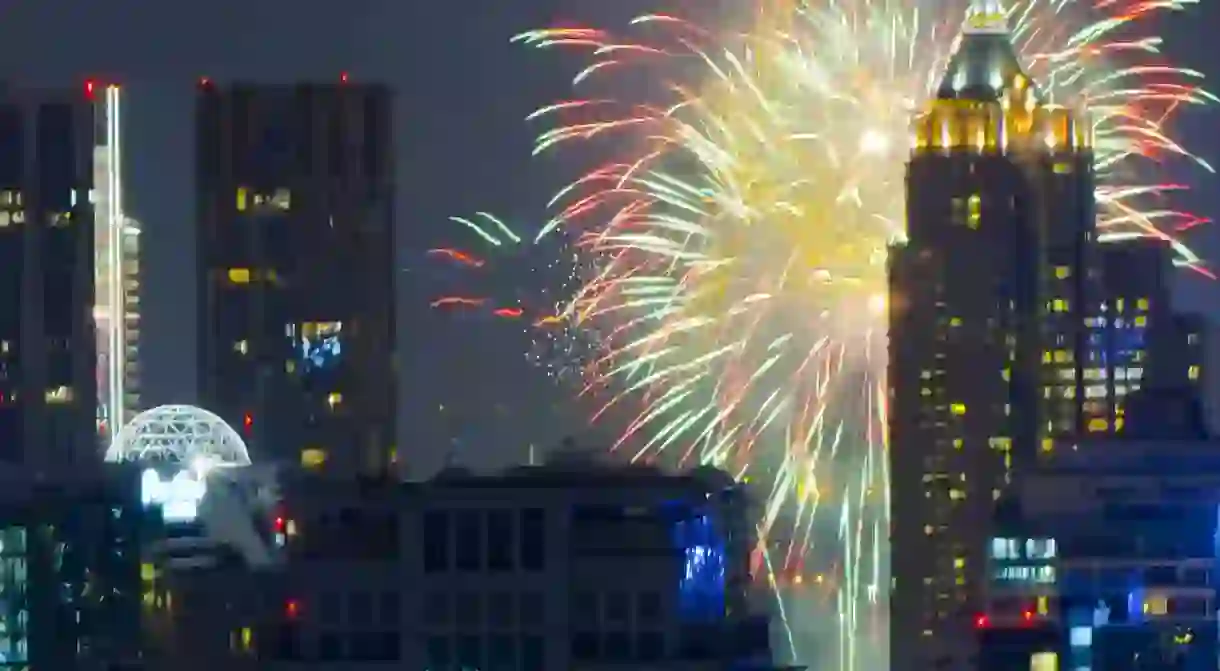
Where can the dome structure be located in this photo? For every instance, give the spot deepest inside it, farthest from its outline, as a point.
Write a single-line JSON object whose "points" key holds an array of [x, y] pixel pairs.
{"points": [[182, 434]]}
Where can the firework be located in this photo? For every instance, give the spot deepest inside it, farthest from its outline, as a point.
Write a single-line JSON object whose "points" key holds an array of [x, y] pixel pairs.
{"points": [[506, 277], [739, 245]]}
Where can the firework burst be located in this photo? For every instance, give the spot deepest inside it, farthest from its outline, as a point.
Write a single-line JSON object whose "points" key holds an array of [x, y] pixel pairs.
{"points": [[739, 246]]}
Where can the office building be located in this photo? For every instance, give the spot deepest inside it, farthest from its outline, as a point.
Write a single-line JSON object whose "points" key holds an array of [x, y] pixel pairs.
{"points": [[572, 564], [1135, 340], [1105, 558], [295, 270], [48, 395], [116, 244], [1000, 191], [69, 570]]}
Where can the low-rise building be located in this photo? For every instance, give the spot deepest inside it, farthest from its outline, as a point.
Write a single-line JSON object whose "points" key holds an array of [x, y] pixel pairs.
{"points": [[1108, 553], [570, 565]]}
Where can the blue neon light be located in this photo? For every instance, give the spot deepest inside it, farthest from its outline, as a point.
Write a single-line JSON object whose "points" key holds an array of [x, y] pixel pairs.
{"points": [[701, 587]]}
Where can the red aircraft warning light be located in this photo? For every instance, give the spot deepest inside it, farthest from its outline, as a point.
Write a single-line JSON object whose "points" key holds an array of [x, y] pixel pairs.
{"points": [[980, 622], [90, 87]]}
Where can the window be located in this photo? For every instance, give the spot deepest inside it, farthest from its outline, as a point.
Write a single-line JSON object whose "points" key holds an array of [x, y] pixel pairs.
{"points": [[532, 609], [533, 539], [501, 610], [390, 608], [650, 645], [436, 541], [469, 541], [330, 608], [468, 609], [469, 652], [532, 652], [330, 647], [648, 607], [438, 653], [59, 395], [500, 540], [584, 645], [239, 275], [502, 653], [436, 609], [243, 196], [360, 609], [617, 607], [313, 457]]}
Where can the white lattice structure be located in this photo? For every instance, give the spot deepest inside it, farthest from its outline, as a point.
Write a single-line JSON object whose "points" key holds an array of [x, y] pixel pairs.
{"points": [[181, 434]]}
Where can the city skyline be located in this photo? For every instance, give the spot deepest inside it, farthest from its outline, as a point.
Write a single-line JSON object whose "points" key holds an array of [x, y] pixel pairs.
{"points": [[453, 159]]}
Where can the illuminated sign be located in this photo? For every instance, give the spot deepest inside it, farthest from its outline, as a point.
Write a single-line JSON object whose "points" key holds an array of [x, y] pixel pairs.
{"points": [[177, 497]]}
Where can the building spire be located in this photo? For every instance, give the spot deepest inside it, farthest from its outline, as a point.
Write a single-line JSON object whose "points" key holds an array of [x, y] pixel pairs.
{"points": [[987, 17]]}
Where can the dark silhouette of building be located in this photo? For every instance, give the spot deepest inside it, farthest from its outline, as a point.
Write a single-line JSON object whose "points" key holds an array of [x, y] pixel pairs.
{"points": [[987, 298], [295, 265], [1107, 552], [48, 392], [70, 570]]}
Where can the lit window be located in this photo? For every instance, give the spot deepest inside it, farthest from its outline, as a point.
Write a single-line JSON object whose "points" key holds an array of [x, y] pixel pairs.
{"points": [[1063, 272], [1063, 168], [281, 199], [1141, 304], [958, 409], [59, 394], [1157, 604], [1005, 548], [239, 275], [1193, 372], [242, 347], [313, 457], [975, 211], [1097, 425], [242, 196], [333, 399], [1059, 305]]}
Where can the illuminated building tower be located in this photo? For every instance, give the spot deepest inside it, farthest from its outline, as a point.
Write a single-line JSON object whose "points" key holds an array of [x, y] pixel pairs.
{"points": [[116, 244], [48, 396], [295, 270], [986, 299]]}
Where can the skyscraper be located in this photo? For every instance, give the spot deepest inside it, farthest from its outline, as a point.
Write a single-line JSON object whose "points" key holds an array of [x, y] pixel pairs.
{"points": [[1128, 316], [986, 301], [116, 243], [295, 270], [48, 395]]}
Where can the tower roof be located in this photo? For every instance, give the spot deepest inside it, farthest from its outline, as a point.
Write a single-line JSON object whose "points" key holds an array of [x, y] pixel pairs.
{"points": [[984, 65]]}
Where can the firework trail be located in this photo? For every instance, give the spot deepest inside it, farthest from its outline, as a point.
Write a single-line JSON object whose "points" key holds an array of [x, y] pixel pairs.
{"points": [[739, 235], [507, 277]]}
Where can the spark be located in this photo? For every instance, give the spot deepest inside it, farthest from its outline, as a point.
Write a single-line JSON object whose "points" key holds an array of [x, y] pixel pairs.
{"points": [[737, 273]]}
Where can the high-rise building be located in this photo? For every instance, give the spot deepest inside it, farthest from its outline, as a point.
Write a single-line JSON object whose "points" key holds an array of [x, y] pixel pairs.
{"points": [[48, 396], [70, 561], [1134, 340], [116, 244], [987, 296], [1129, 300], [295, 270]]}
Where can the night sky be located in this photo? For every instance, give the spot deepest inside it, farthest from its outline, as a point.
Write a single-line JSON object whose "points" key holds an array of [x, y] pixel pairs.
{"points": [[463, 92]]}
